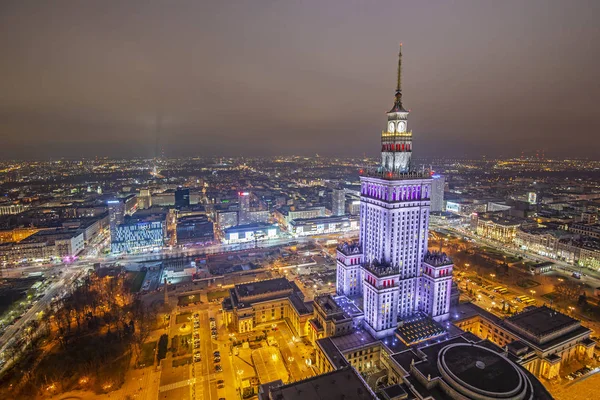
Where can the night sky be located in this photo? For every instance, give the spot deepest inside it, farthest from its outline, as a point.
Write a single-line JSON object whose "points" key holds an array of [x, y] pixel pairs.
{"points": [[101, 78]]}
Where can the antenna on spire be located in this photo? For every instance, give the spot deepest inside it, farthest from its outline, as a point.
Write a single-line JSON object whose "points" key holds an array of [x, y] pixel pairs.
{"points": [[398, 98], [399, 82]]}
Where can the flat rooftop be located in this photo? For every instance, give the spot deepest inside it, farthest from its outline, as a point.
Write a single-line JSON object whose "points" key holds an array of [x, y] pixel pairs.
{"points": [[348, 305], [263, 287], [269, 365], [542, 321], [52, 235], [356, 339], [344, 383]]}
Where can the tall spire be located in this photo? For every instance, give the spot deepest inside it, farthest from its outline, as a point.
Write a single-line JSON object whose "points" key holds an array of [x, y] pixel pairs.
{"points": [[399, 83], [398, 97]]}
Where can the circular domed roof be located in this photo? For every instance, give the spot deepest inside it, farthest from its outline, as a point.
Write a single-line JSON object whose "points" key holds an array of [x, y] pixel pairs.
{"points": [[472, 369]]}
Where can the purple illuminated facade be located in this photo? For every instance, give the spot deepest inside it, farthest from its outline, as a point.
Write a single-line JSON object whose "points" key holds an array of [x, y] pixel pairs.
{"points": [[390, 266]]}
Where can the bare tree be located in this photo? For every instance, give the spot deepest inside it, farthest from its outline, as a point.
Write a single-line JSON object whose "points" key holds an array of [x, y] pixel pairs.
{"points": [[143, 320], [568, 289]]}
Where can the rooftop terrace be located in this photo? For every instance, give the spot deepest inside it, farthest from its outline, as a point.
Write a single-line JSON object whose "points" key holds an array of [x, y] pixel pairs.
{"points": [[437, 259], [382, 269]]}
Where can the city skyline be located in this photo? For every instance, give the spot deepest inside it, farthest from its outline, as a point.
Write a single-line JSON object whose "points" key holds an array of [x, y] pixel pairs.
{"points": [[261, 80], [273, 278]]}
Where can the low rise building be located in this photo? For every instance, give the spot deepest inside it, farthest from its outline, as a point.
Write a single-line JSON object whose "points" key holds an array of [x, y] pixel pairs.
{"points": [[11, 208], [250, 233], [333, 316], [251, 305], [91, 226], [465, 207], [459, 367], [591, 230], [351, 386], [541, 338], [286, 215], [253, 217], [323, 225], [497, 227], [47, 244], [541, 241], [194, 230], [138, 234], [16, 235], [227, 219]]}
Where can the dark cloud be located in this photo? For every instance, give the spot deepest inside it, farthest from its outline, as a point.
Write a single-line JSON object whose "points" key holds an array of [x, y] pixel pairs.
{"points": [[298, 77]]}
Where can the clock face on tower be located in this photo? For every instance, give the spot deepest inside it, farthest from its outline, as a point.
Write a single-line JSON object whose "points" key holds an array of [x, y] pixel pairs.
{"points": [[401, 127], [391, 127]]}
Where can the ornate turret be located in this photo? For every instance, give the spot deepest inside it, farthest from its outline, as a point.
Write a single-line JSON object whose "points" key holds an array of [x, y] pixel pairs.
{"points": [[396, 141]]}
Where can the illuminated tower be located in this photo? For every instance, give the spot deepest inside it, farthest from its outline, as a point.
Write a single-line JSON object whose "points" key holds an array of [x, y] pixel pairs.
{"points": [[116, 214], [394, 219], [437, 193], [396, 142], [338, 202], [397, 279]]}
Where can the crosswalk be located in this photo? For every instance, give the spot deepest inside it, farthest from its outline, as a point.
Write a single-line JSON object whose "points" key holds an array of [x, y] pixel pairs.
{"points": [[177, 385]]}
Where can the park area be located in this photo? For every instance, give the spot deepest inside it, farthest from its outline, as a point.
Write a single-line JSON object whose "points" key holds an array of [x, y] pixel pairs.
{"points": [[88, 343]]}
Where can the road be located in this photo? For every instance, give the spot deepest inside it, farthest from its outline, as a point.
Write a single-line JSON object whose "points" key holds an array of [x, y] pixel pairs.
{"points": [[86, 261], [69, 271]]}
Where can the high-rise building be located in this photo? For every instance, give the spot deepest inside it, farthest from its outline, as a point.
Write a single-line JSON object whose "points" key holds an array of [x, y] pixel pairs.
{"points": [[144, 199], [392, 248], [437, 193], [182, 197], [338, 202], [244, 204], [116, 214], [131, 203]]}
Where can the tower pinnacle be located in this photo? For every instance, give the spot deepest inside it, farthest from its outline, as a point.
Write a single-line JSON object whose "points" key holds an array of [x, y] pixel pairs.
{"points": [[398, 97], [399, 83]]}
